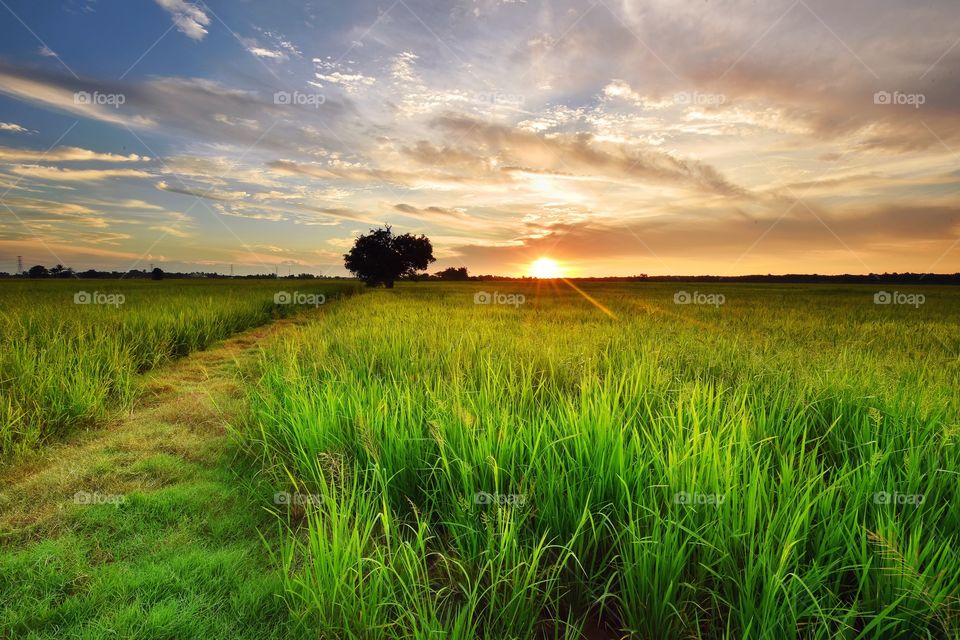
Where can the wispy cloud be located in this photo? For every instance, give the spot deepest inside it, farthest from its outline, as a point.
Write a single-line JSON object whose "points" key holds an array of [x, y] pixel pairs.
{"points": [[705, 137], [58, 174], [12, 127], [189, 18], [66, 154]]}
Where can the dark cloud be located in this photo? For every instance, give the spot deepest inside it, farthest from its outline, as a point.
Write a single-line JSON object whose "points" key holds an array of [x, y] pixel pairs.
{"points": [[818, 64], [201, 109], [430, 211]]}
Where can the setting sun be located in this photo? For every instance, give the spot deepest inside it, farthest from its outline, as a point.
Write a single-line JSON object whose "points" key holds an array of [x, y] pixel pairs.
{"points": [[545, 268]]}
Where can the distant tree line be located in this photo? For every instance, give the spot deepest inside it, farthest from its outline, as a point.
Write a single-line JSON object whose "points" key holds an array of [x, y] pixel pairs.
{"points": [[59, 271], [798, 278], [460, 274]]}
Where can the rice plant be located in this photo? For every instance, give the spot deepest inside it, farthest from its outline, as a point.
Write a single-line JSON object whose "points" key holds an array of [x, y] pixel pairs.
{"points": [[779, 463], [70, 350]]}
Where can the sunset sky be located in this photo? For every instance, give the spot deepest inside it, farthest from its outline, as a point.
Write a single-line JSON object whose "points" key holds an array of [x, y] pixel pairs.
{"points": [[615, 137]]}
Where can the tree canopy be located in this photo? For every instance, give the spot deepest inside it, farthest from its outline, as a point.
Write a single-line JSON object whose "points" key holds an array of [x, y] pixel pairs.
{"points": [[380, 257]]}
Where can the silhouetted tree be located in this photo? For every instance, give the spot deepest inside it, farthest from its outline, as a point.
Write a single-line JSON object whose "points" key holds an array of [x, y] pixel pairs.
{"points": [[381, 257], [38, 271], [156, 274], [60, 271], [453, 273]]}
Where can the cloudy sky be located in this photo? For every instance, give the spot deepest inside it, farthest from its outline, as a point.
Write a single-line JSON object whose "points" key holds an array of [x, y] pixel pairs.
{"points": [[616, 137]]}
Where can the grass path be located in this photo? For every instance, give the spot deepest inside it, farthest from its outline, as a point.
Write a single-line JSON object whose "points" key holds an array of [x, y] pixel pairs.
{"points": [[181, 555]]}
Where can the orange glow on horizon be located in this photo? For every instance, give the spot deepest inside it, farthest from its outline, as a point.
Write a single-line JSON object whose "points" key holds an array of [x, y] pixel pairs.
{"points": [[545, 268]]}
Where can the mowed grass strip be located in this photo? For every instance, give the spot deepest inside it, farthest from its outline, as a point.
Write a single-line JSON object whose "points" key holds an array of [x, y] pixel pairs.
{"points": [[780, 464], [149, 527]]}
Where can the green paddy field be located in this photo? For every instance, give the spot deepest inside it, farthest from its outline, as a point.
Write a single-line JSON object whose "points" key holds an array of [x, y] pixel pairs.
{"points": [[480, 460]]}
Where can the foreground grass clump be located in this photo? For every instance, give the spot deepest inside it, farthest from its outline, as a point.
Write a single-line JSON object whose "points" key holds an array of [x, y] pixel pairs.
{"points": [[780, 465], [64, 364]]}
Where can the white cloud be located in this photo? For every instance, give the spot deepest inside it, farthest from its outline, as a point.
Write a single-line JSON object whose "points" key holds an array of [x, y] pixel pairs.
{"points": [[249, 123], [256, 49], [331, 72], [189, 18], [47, 52], [49, 207], [140, 205], [76, 175], [208, 193], [65, 154], [401, 67], [260, 52], [171, 231], [13, 127], [622, 90], [278, 46], [349, 80]]}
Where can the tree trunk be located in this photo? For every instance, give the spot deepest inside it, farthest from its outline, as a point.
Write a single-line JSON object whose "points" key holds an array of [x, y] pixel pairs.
{"points": [[388, 284]]}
